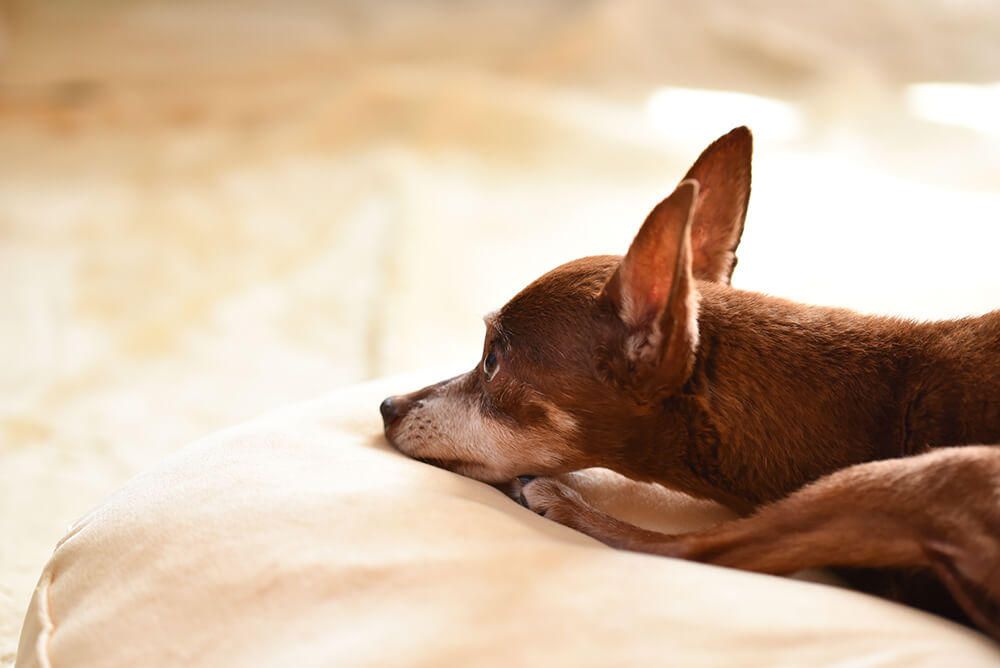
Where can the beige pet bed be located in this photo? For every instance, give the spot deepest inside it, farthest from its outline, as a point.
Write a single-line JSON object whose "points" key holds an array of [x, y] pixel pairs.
{"points": [[302, 539]]}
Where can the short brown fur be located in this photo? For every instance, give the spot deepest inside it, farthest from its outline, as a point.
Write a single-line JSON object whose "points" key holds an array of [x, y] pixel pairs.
{"points": [[837, 434]]}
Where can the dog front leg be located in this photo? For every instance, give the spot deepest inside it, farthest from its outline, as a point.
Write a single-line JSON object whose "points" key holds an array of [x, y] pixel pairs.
{"points": [[936, 512], [555, 500]]}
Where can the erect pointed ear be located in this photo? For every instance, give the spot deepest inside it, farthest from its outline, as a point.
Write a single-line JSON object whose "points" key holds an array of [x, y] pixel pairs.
{"points": [[723, 174], [654, 294]]}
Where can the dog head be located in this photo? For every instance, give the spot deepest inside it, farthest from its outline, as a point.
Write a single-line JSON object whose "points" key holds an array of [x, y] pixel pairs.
{"points": [[583, 364]]}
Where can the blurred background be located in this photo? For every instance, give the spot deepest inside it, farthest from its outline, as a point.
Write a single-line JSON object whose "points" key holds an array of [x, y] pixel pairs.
{"points": [[209, 208]]}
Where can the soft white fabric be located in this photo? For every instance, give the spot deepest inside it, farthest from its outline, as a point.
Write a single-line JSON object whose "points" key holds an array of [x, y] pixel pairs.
{"points": [[303, 539]]}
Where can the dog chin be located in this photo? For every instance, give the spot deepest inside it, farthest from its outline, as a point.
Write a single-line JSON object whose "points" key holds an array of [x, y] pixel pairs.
{"points": [[469, 469]]}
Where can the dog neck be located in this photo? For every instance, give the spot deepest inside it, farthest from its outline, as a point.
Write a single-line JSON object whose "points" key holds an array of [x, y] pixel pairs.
{"points": [[783, 393]]}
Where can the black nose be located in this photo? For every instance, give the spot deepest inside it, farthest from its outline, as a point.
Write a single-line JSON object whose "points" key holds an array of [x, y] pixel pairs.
{"points": [[389, 412]]}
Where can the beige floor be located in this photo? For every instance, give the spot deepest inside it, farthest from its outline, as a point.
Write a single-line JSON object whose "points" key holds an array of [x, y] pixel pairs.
{"points": [[209, 209]]}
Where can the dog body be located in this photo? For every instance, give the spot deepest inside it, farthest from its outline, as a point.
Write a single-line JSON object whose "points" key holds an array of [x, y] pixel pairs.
{"points": [[653, 366]]}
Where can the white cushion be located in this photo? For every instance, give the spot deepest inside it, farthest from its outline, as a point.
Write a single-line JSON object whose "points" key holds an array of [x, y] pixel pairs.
{"points": [[303, 539]]}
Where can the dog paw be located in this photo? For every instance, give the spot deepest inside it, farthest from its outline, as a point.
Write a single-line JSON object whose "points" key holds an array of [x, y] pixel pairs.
{"points": [[548, 497]]}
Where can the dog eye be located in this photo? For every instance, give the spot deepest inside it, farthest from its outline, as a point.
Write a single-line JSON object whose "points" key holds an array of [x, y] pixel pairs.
{"points": [[490, 366]]}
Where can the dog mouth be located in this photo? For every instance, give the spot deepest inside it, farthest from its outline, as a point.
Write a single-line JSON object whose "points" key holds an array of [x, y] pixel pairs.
{"points": [[447, 463], [468, 469], [441, 463]]}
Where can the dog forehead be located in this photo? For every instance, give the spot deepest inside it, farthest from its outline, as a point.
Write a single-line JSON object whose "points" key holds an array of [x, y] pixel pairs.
{"points": [[568, 285], [555, 310]]}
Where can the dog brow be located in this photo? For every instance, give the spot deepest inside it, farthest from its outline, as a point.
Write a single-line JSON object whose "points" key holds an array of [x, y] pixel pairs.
{"points": [[493, 322], [492, 318]]}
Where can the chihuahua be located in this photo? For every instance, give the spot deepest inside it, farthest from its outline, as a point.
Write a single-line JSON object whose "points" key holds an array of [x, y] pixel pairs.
{"points": [[833, 434]]}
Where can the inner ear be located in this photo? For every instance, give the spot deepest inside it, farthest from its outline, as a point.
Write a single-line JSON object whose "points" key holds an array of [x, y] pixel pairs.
{"points": [[723, 174], [653, 292]]}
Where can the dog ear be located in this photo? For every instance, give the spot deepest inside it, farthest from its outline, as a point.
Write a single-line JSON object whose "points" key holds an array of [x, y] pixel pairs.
{"points": [[723, 174], [654, 295]]}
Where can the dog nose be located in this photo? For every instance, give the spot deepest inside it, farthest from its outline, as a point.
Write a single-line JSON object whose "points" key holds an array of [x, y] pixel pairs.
{"points": [[389, 412]]}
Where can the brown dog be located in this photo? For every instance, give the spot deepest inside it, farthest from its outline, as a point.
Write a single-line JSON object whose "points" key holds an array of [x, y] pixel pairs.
{"points": [[653, 366]]}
